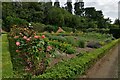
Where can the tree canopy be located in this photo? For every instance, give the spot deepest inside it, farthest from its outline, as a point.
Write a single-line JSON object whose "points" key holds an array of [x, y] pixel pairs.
{"points": [[45, 13]]}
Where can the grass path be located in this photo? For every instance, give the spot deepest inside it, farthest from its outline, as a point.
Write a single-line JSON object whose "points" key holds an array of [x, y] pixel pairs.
{"points": [[6, 59], [0, 57]]}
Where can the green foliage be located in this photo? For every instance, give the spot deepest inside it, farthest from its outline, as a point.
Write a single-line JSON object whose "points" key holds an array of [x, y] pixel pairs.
{"points": [[39, 27], [59, 38], [50, 28], [57, 4], [79, 8], [69, 6], [63, 47], [45, 13], [11, 21], [68, 39], [55, 16], [75, 41], [76, 66], [67, 29], [115, 32], [81, 43], [102, 30], [117, 22], [71, 40]]}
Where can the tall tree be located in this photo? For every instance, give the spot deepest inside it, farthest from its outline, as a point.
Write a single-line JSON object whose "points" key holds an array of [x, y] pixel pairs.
{"points": [[90, 12], [79, 8], [117, 22], [69, 6], [47, 7], [56, 3]]}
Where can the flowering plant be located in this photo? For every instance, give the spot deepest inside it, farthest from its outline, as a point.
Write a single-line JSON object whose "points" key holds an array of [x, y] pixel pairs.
{"points": [[32, 51]]}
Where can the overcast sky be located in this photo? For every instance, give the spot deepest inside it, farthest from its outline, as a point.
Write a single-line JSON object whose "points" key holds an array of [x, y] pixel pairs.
{"points": [[109, 7]]}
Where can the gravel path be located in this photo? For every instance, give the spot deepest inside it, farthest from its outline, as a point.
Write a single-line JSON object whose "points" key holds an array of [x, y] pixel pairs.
{"points": [[106, 67]]}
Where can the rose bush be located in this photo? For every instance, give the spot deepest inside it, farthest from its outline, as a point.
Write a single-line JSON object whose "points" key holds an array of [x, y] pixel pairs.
{"points": [[29, 52]]}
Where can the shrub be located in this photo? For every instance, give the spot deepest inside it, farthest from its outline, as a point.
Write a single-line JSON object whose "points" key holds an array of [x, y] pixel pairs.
{"points": [[93, 44], [71, 40], [115, 32], [50, 28], [59, 38], [29, 52], [67, 29], [10, 21], [102, 43], [81, 43], [39, 27], [70, 50]]}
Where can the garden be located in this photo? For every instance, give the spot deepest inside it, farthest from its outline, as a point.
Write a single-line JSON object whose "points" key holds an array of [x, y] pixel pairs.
{"points": [[51, 55], [41, 40]]}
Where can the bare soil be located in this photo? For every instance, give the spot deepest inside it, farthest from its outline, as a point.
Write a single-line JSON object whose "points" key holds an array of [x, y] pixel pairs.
{"points": [[64, 56]]}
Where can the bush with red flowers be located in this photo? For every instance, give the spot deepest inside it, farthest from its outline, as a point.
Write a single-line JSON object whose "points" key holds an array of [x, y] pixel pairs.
{"points": [[29, 52]]}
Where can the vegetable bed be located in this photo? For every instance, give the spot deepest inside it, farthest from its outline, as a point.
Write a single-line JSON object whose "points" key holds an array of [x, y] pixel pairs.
{"points": [[78, 65]]}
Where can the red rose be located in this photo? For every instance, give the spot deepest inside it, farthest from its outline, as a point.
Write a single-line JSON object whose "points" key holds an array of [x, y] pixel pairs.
{"points": [[43, 36]]}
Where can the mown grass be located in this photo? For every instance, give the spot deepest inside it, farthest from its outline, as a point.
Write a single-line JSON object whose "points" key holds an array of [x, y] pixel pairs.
{"points": [[0, 57], [6, 59]]}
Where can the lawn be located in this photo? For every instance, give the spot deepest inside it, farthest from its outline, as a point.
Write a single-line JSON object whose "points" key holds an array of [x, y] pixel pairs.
{"points": [[0, 57], [6, 59]]}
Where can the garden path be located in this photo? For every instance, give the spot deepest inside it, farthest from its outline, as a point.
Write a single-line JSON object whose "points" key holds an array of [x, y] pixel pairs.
{"points": [[106, 67]]}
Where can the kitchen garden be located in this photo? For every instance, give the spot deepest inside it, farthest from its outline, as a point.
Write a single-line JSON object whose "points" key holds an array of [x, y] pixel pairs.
{"points": [[55, 55]]}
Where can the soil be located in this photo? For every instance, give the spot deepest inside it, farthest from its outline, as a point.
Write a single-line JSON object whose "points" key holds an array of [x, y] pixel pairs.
{"points": [[106, 67], [64, 56], [86, 49]]}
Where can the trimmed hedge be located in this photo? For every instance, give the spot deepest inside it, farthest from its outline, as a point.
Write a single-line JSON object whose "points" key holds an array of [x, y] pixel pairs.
{"points": [[78, 65], [115, 32]]}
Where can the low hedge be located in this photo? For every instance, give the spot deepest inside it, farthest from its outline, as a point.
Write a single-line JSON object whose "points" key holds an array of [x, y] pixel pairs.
{"points": [[78, 65], [115, 32]]}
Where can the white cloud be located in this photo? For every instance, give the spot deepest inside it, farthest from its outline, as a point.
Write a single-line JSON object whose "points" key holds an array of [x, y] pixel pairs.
{"points": [[109, 7]]}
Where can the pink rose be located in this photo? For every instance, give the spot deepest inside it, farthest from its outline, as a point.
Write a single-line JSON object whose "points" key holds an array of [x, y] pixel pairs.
{"points": [[18, 43], [16, 37], [36, 37], [25, 37], [17, 51], [43, 36], [49, 48], [28, 39]]}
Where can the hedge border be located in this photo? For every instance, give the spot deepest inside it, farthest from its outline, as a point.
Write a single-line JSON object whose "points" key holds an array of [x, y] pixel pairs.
{"points": [[78, 65]]}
